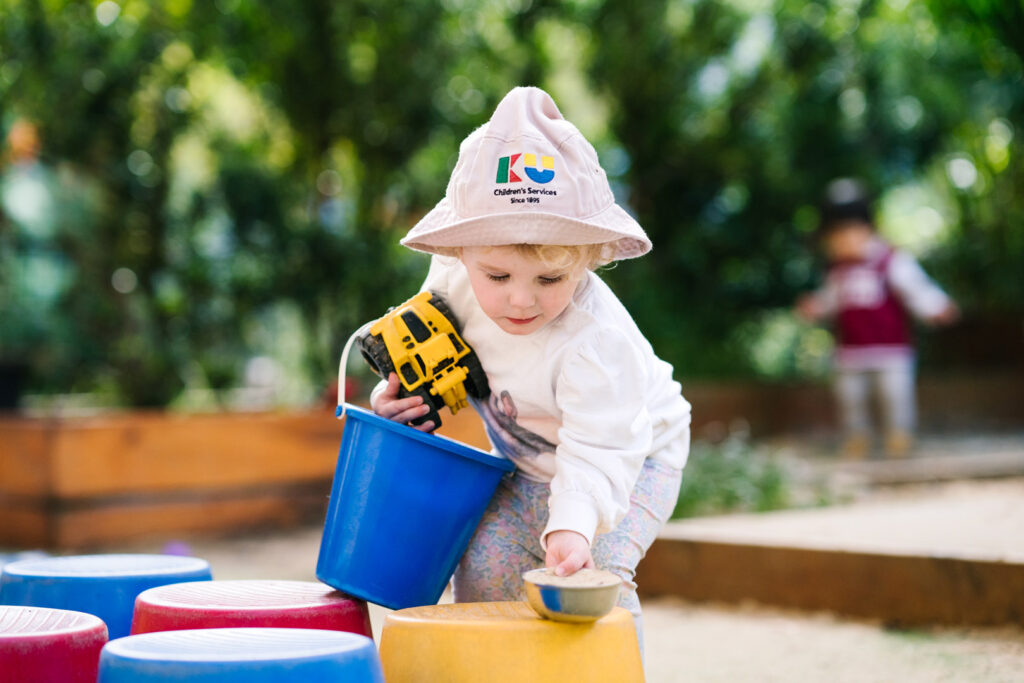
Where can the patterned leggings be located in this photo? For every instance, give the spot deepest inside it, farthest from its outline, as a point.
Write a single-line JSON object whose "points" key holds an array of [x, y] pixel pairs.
{"points": [[507, 541]]}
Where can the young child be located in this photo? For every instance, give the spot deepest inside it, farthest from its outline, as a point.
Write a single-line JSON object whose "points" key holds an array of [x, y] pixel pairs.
{"points": [[868, 290], [596, 425]]}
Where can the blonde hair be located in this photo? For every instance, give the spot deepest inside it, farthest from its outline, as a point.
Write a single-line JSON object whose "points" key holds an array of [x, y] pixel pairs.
{"points": [[557, 256]]}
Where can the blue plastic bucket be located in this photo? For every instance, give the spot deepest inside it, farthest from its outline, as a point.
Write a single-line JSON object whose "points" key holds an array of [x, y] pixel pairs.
{"points": [[404, 505]]}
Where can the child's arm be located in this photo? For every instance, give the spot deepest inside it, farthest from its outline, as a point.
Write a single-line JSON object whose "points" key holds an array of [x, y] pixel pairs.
{"points": [[918, 292], [606, 435], [819, 304]]}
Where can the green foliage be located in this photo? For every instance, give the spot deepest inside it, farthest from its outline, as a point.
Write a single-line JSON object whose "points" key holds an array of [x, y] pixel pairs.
{"points": [[225, 176], [733, 116], [731, 476], [241, 154]]}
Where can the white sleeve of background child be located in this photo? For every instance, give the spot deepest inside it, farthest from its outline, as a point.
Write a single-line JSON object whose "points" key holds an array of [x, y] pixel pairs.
{"points": [[606, 435], [436, 281], [916, 290]]}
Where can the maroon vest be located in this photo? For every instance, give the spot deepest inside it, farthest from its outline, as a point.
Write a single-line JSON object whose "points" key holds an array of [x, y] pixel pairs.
{"points": [[870, 314]]}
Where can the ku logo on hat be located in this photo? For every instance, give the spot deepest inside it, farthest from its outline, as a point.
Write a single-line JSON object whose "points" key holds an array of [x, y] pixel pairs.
{"points": [[541, 174]]}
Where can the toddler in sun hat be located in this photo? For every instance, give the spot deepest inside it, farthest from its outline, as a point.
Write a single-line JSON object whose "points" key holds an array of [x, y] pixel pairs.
{"points": [[592, 418]]}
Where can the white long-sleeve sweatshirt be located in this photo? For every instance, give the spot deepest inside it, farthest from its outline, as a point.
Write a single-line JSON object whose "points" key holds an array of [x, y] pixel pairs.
{"points": [[580, 403]]}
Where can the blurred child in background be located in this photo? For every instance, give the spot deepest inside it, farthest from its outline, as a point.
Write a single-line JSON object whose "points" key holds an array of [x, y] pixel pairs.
{"points": [[870, 288]]}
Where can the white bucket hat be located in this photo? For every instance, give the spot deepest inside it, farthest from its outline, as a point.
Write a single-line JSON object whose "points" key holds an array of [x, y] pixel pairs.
{"points": [[528, 176]]}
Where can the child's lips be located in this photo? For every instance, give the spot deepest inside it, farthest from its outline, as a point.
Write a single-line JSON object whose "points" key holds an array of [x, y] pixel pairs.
{"points": [[522, 321]]}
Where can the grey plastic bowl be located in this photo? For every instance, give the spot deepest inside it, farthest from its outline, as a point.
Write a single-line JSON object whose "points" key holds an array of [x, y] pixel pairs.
{"points": [[587, 595]]}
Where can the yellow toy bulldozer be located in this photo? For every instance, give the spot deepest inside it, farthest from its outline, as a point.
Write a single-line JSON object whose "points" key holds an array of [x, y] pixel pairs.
{"points": [[420, 342]]}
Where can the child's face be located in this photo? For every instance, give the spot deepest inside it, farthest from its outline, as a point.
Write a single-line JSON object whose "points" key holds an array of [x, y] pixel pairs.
{"points": [[517, 292], [848, 241]]}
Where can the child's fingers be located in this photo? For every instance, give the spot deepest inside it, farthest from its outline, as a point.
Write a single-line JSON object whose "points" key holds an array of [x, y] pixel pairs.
{"points": [[567, 552], [391, 392], [405, 409], [571, 565]]}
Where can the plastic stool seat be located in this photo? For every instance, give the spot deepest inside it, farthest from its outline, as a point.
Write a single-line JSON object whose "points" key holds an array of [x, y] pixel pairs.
{"points": [[252, 655], [104, 585], [502, 642], [220, 604], [41, 645]]}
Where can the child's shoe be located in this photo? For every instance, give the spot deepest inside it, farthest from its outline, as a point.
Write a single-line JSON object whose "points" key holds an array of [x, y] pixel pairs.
{"points": [[855, 447], [898, 444]]}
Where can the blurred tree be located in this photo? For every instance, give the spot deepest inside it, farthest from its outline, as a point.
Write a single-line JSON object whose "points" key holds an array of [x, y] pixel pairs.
{"points": [[377, 95], [985, 255], [734, 116], [233, 175], [93, 80]]}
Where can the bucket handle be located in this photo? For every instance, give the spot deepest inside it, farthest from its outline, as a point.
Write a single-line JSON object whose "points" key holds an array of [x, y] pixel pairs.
{"points": [[339, 412]]}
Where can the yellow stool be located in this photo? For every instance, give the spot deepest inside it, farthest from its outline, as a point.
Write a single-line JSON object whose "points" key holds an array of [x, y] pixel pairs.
{"points": [[502, 642]]}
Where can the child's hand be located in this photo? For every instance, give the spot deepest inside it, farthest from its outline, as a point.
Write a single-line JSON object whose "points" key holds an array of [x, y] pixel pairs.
{"points": [[947, 316], [807, 308], [568, 552], [388, 405]]}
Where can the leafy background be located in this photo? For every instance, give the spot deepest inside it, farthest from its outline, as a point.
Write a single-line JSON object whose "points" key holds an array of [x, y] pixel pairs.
{"points": [[221, 185]]}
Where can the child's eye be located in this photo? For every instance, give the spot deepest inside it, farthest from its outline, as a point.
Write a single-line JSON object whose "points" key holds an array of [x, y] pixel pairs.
{"points": [[497, 278], [551, 280]]}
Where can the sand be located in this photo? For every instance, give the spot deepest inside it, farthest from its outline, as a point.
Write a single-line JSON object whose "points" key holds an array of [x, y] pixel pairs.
{"points": [[584, 578]]}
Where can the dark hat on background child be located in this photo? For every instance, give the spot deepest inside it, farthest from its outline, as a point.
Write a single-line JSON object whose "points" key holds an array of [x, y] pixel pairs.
{"points": [[846, 199], [528, 176]]}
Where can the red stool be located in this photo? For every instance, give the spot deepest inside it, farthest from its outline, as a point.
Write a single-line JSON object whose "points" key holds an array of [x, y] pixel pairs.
{"points": [[41, 645], [226, 604]]}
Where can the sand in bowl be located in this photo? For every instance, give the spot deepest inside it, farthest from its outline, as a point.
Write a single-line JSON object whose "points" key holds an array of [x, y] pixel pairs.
{"points": [[587, 595], [584, 578]]}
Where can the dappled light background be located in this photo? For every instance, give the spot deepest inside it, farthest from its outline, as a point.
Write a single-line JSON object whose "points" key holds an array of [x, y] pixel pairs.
{"points": [[200, 201]]}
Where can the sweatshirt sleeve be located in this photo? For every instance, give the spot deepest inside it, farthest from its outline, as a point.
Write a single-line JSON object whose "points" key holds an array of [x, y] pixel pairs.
{"points": [[916, 290], [606, 435]]}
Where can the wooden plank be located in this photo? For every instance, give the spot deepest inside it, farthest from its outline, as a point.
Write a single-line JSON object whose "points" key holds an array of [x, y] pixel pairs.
{"points": [[899, 589], [139, 452], [49, 524], [24, 457], [80, 481], [168, 519], [156, 452], [929, 469], [24, 525]]}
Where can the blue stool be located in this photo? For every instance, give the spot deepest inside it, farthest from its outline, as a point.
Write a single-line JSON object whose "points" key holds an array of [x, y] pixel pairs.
{"points": [[104, 585], [253, 655], [7, 558]]}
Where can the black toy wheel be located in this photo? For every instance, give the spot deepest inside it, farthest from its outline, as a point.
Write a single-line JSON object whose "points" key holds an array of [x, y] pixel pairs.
{"points": [[375, 353], [476, 381], [441, 305]]}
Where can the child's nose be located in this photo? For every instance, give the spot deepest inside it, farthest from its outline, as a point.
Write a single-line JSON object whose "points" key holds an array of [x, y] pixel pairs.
{"points": [[521, 297]]}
